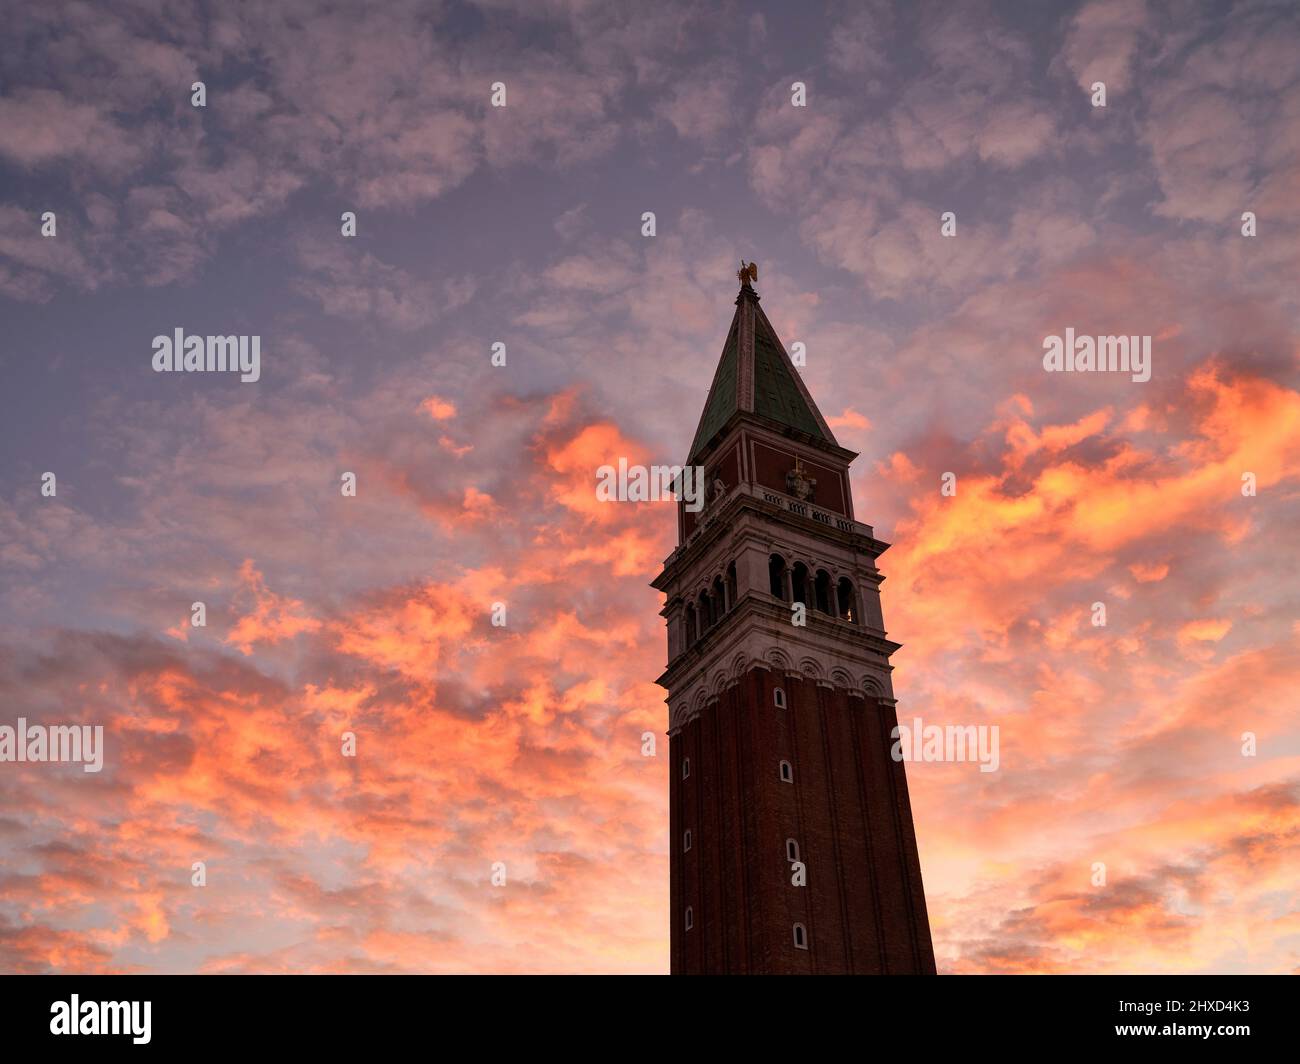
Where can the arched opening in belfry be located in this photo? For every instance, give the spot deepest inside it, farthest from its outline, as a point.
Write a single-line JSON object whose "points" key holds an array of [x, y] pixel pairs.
{"points": [[720, 602], [822, 591], [692, 631], [731, 586], [847, 600], [706, 612], [776, 576], [799, 582]]}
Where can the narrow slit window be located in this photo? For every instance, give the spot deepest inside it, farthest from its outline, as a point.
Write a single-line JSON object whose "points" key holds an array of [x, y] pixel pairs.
{"points": [[686, 767], [791, 850], [686, 841], [800, 937], [690, 918], [787, 772], [778, 696]]}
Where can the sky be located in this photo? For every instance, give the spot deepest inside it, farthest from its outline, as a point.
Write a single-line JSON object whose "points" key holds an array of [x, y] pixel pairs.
{"points": [[520, 746]]}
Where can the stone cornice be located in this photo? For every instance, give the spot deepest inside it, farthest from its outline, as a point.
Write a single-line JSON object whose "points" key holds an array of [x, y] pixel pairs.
{"points": [[780, 510], [757, 633]]}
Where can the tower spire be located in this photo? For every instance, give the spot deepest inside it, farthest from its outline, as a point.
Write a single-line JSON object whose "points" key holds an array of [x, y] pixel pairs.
{"points": [[757, 376]]}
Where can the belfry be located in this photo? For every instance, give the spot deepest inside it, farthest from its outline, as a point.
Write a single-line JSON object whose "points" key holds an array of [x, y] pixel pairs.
{"points": [[792, 844]]}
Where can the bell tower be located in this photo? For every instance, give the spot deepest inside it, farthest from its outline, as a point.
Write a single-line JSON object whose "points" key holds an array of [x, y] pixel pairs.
{"points": [[792, 846]]}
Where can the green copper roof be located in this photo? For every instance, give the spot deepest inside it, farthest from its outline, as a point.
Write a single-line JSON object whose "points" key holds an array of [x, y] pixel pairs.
{"points": [[722, 395], [776, 392]]}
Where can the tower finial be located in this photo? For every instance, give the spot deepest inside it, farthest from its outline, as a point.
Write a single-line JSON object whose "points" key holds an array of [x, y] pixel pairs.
{"points": [[748, 272]]}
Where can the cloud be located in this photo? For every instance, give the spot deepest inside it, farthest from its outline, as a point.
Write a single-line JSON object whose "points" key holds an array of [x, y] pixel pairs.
{"points": [[438, 408], [480, 742], [1224, 106], [361, 287], [702, 106], [41, 126], [272, 618], [1102, 43]]}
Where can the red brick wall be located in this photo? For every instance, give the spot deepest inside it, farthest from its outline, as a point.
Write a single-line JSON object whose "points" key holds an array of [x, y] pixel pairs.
{"points": [[725, 465], [771, 465], [863, 907]]}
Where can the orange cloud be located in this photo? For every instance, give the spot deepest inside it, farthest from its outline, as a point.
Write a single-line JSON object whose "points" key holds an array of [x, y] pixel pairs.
{"points": [[272, 619], [1147, 573], [438, 408], [849, 419]]}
